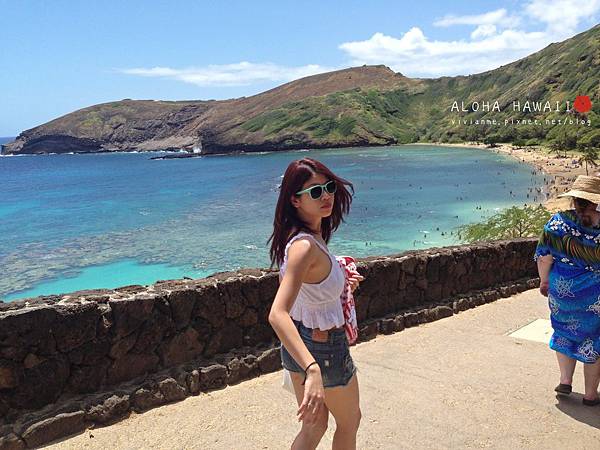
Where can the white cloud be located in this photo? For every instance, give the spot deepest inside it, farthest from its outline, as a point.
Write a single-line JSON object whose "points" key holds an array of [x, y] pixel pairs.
{"points": [[415, 55], [497, 17], [224, 75], [562, 16], [496, 40], [483, 31]]}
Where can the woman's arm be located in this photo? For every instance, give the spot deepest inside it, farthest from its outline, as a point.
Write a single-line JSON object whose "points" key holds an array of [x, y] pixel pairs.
{"points": [[300, 257], [544, 264]]}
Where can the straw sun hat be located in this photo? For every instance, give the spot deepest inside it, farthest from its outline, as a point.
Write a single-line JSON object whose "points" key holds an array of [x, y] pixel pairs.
{"points": [[585, 187]]}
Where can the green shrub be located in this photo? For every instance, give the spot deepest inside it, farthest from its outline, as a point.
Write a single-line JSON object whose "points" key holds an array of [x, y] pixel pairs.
{"points": [[346, 125], [514, 222]]}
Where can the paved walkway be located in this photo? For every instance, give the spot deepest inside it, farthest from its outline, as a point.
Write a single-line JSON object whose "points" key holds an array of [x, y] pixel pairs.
{"points": [[461, 382]]}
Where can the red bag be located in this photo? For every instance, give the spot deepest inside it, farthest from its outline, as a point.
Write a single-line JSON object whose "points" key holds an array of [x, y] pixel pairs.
{"points": [[348, 264]]}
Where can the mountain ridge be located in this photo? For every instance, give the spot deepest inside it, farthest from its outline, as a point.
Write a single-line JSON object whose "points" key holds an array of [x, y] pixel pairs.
{"points": [[358, 106]]}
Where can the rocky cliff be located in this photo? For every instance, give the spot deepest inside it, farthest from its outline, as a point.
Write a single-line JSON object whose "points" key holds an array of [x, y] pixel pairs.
{"points": [[213, 126]]}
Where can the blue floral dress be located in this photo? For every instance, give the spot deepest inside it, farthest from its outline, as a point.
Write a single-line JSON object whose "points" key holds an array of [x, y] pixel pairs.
{"points": [[574, 285]]}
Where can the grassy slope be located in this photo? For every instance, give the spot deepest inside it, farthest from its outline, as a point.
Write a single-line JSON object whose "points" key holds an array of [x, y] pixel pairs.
{"points": [[372, 115], [101, 121], [559, 72]]}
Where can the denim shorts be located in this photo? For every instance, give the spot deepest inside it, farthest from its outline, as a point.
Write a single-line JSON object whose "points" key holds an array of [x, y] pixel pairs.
{"points": [[333, 356]]}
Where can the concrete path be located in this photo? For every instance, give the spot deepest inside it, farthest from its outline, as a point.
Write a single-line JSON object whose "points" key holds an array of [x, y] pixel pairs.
{"points": [[461, 382]]}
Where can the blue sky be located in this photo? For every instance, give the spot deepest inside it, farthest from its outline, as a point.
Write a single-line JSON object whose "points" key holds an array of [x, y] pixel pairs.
{"points": [[59, 56]]}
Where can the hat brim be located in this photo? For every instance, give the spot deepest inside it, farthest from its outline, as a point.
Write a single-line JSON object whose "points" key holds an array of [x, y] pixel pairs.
{"points": [[594, 198]]}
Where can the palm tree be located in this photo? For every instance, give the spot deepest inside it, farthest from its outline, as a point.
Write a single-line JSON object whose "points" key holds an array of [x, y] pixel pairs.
{"points": [[589, 156], [556, 147]]}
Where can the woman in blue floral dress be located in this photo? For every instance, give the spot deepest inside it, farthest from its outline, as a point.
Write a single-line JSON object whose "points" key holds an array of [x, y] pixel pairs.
{"points": [[568, 259]]}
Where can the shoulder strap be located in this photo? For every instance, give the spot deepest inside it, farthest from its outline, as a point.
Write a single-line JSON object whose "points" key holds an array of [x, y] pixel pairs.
{"points": [[292, 239], [301, 234]]}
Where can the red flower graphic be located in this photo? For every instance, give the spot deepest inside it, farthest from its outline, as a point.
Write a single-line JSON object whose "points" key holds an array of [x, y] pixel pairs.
{"points": [[582, 104]]}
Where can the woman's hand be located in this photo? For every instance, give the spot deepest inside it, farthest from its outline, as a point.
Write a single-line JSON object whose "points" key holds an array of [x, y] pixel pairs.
{"points": [[354, 280], [314, 396], [544, 285]]}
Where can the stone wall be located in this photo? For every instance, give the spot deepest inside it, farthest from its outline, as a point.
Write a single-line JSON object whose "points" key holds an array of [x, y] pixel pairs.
{"points": [[90, 357]]}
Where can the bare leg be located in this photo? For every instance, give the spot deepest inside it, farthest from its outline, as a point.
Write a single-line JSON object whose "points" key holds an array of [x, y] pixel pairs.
{"points": [[591, 377], [567, 368], [343, 402], [310, 434]]}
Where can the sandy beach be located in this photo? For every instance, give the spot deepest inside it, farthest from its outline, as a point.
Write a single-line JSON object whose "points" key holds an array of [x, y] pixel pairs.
{"points": [[561, 172]]}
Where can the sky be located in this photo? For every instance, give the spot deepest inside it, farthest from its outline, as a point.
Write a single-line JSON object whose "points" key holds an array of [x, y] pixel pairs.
{"points": [[59, 56]]}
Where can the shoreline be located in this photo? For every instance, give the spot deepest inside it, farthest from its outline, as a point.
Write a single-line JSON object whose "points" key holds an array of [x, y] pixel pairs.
{"points": [[561, 172]]}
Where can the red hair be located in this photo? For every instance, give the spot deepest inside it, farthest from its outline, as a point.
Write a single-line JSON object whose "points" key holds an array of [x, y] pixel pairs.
{"points": [[286, 215]]}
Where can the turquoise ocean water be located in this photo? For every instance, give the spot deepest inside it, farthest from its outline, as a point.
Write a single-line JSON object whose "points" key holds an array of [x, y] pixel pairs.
{"points": [[71, 222]]}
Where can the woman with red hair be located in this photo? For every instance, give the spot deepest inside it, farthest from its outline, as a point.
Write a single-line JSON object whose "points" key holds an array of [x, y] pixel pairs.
{"points": [[307, 312]]}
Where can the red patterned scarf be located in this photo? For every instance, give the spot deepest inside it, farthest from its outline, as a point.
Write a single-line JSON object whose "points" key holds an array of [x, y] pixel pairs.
{"points": [[348, 263]]}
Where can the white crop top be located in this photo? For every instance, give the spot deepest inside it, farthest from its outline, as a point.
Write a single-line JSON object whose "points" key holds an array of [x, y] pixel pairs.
{"points": [[318, 305]]}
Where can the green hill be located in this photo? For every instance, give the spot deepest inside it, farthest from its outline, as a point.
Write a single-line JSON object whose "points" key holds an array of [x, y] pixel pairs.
{"points": [[360, 106]]}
